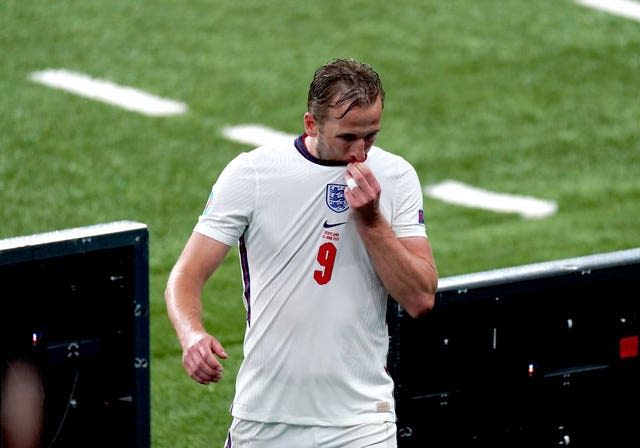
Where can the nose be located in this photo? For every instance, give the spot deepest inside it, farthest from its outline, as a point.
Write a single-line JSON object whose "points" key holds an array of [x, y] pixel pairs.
{"points": [[359, 150]]}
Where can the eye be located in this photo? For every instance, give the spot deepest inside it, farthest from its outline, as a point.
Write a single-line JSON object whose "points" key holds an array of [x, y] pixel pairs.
{"points": [[371, 137]]}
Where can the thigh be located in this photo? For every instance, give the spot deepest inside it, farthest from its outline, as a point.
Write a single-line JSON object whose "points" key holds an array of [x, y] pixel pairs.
{"points": [[250, 434], [371, 435], [391, 442]]}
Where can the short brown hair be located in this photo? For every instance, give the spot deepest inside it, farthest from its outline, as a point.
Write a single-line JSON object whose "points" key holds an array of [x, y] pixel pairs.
{"points": [[343, 81]]}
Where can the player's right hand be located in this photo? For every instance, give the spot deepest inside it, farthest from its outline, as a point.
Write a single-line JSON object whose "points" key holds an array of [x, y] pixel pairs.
{"points": [[200, 358]]}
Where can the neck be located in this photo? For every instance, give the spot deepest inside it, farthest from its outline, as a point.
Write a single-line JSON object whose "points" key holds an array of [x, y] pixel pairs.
{"points": [[311, 144]]}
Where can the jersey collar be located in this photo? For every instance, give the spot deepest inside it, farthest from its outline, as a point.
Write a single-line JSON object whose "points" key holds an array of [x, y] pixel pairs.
{"points": [[304, 151]]}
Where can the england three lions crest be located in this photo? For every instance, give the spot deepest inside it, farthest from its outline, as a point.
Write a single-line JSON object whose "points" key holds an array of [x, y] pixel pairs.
{"points": [[335, 198]]}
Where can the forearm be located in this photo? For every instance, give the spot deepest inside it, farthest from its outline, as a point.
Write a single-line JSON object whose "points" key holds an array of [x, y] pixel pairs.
{"points": [[184, 308], [200, 258], [406, 266], [200, 350]]}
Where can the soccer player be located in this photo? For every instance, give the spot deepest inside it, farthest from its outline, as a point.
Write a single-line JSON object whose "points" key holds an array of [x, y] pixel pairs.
{"points": [[327, 228]]}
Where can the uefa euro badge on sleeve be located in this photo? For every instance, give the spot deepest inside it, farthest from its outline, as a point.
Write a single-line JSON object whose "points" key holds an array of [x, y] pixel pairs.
{"points": [[335, 198]]}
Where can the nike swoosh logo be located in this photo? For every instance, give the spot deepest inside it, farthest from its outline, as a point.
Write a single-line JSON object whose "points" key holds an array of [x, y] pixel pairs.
{"points": [[326, 225]]}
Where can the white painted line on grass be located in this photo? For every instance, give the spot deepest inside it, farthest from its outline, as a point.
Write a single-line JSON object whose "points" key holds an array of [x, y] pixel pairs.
{"points": [[461, 194], [449, 191], [126, 97], [624, 8], [256, 134]]}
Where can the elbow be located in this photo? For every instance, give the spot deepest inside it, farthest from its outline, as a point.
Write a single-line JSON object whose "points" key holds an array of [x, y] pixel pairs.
{"points": [[421, 306], [168, 293]]}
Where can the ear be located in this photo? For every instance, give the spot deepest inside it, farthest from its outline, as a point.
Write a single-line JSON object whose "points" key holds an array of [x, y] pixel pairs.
{"points": [[310, 125]]}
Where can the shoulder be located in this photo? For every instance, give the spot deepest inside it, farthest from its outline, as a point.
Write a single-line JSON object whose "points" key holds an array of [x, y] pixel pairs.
{"points": [[265, 153], [261, 156], [382, 161]]}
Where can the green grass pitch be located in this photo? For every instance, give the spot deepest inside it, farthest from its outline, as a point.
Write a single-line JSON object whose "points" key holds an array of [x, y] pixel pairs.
{"points": [[534, 97]]}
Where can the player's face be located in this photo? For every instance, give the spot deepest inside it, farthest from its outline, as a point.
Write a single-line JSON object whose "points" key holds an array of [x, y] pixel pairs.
{"points": [[348, 139]]}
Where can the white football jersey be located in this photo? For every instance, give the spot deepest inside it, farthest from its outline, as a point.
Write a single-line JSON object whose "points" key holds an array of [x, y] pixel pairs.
{"points": [[316, 340]]}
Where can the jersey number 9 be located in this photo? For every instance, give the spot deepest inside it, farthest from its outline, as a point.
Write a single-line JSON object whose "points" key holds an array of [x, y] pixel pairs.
{"points": [[326, 257]]}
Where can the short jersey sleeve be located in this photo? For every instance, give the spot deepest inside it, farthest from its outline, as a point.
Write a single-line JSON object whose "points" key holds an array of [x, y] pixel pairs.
{"points": [[408, 213], [230, 204]]}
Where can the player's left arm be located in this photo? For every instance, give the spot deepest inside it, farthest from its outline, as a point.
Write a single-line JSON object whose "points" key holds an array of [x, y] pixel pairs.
{"points": [[405, 265]]}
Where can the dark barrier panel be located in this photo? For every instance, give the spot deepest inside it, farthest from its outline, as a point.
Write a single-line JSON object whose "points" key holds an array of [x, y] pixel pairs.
{"points": [[539, 355], [75, 310]]}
